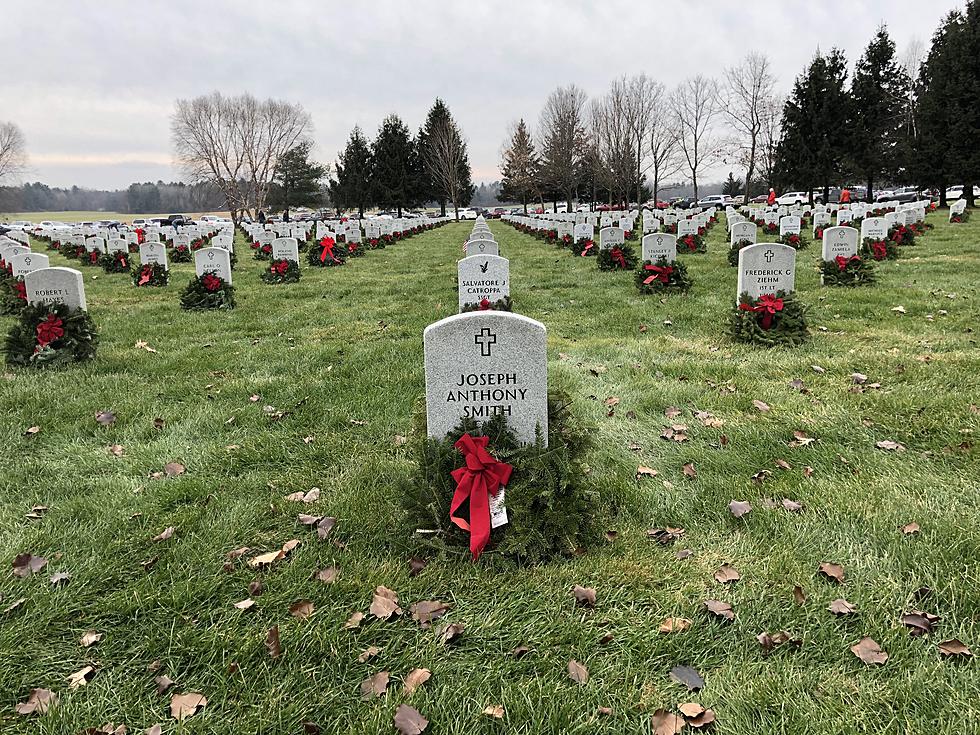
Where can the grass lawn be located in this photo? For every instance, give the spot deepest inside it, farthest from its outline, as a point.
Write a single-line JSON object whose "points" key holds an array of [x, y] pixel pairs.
{"points": [[341, 354]]}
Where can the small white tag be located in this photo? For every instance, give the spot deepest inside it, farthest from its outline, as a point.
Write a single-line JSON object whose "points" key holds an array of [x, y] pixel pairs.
{"points": [[498, 513]]}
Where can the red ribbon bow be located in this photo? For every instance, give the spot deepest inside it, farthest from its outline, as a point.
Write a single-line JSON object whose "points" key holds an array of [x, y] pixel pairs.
{"points": [[587, 248], [843, 262], [20, 290], [482, 477], [279, 267], [327, 244], [93, 256], [689, 241], [485, 304], [122, 260], [660, 273], [879, 249], [617, 255], [211, 282], [145, 273], [51, 329], [767, 305]]}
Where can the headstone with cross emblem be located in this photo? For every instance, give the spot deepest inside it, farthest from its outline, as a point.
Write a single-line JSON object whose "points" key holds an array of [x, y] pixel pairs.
{"points": [[660, 246], [839, 242], [213, 260], [766, 268], [483, 364], [483, 277], [26, 262], [154, 252]]}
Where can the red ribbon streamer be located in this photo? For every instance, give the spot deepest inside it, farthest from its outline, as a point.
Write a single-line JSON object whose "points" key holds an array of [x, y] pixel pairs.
{"points": [[145, 273], [482, 477], [767, 305], [617, 255], [587, 248], [661, 274], [327, 244], [843, 262]]}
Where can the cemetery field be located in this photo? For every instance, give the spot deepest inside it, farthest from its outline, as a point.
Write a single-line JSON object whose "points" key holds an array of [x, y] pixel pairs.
{"points": [[217, 416]]}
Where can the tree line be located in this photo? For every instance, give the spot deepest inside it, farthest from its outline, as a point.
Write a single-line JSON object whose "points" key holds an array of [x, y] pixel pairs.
{"points": [[138, 198]]}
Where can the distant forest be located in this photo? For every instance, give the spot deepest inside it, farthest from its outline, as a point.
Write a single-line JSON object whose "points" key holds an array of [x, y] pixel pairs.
{"points": [[148, 198]]}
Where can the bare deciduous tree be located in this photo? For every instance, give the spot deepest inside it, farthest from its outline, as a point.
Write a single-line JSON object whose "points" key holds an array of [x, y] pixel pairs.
{"points": [[614, 140], [695, 104], [772, 131], [446, 160], [235, 143], [13, 150], [563, 140], [664, 149], [749, 91]]}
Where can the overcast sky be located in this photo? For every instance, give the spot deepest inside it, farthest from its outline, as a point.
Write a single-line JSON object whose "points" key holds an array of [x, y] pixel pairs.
{"points": [[92, 82]]}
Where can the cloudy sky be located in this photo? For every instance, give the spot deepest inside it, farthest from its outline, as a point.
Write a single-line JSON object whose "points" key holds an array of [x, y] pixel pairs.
{"points": [[92, 82]]}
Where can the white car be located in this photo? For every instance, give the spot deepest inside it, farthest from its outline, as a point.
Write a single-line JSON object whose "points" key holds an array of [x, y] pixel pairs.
{"points": [[49, 226], [793, 197], [467, 213], [714, 200], [953, 193]]}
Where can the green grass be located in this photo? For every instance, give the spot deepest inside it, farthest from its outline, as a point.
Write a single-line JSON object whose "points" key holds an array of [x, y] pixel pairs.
{"points": [[344, 346]]}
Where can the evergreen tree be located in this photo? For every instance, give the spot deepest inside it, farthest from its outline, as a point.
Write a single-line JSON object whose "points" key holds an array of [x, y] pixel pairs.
{"points": [[732, 186], [878, 97], [520, 168], [392, 174], [351, 189], [296, 180]]}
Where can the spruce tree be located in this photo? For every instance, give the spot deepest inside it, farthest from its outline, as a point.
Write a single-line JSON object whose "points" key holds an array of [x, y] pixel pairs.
{"points": [[296, 180], [351, 189], [392, 175], [520, 168]]}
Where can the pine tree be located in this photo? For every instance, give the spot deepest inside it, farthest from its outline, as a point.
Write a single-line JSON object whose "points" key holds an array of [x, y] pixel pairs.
{"points": [[520, 168], [878, 99], [296, 181], [351, 189], [392, 174], [732, 186]]}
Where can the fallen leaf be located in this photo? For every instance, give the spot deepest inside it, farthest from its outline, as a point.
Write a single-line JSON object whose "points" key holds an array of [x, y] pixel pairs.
{"points": [[367, 654], [59, 578], [643, 471], [325, 526], [739, 508], [955, 648], [301, 609], [155, 730], [408, 720], [163, 683], [672, 412], [584, 596], [81, 677], [173, 469], [520, 652], [689, 470], [27, 564], [577, 672], [900, 309], [187, 705], [416, 565], [255, 587], [919, 623], [165, 534], [674, 625], [801, 440], [428, 610], [869, 651], [415, 679], [842, 607], [910, 528], [38, 702], [666, 723], [720, 609], [375, 686], [761, 406], [494, 710], [769, 641], [687, 676], [328, 575], [890, 446], [665, 536], [799, 596], [14, 605], [834, 572], [272, 642], [449, 633], [385, 603], [116, 450], [726, 574], [33, 431], [90, 638], [354, 621]]}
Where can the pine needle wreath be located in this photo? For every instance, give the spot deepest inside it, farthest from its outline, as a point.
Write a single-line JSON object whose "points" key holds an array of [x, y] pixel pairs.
{"points": [[552, 511], [785, 327], [901, 235], [794, 240], [585, 247], [47, 335], [207, 292], [90, 257], [354, 249], [691, 244], [879, 249], [115, 262], [734, 250], [662, 277], [503, 304], [150, 274], [566, 242], [263, 252], [770, 228], [13, 295], [375, 243], [959, 218], [853, 271], [281, 271], [180, 254], [327, 253], [618, 257]]}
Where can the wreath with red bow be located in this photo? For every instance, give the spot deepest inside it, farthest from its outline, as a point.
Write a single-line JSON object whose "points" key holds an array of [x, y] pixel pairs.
{"points": [[662, 277], [734, 250], [150, 274], [770, 228], [263, 252], [841, 271], [117, 261], [354, 249], [327, 253], [566, 241], [207, 292], [50, 334], [689, 244], [794, 240], [13, 295], [618, 257], [90, 257], [959, 218], [281, 271], [503, 304], [180, 254], [879, 249], [552, 508], [901, 235], [770, 320], [585, 247]]}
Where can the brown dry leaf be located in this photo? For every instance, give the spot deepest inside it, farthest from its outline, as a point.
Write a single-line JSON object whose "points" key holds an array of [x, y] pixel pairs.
{"points": [[760, 406], [689, 470], [106, 418], [494, 710], [726, 574], [38, 702], [449, 633], [792, 506], [919, 623], [328, 575], [890, 446], [869, 651], [163, 683], [301, 609], [666, 723], [799, 596], [375, 686], [354, 621], [911, 528], [520, 652], [687, 676], [116, 450], [842, 607], [665, 536], [577, 672], [690, 709], [801, 440], [783, 464], [187, 705], [739, 508], [643, 471], [611, 401], [59, 578], [584, 596], [672, 412], [428, 610], [409, 721], [81, 677], [385, 603], [674, 625], [174, 469], [955, 648], [415, 679], [272, 642], [33, 431], [165, 534], [90, 638], [833, 572], [416, 565], [367, 654], [769, 641], [155, 730], [255, 587], [325, 526], [720, 609], [236, 553], [27, 564]]}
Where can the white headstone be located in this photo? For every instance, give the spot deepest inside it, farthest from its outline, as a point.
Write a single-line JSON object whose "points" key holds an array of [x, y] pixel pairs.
{"points": [[213, 260], [874, 227], [24, 263], [659, 245], [154, 252], [483, 277], [744, 231], [55, 286], [481, 247], [839, 241], [285, 248], [766, 268], [609, 237]]}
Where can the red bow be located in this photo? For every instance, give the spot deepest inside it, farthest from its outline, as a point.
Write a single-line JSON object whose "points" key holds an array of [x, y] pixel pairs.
{"points": [[482, 477], [20, 290], [587, 248], [327, 244], [879, 249], [485, 304], [211, 282], [280, 266], [140, 236], [145, 273], [617, 255], [352, 247], [93, 256], [843, 262], [51, 329], [689, 241], [767, 305], [122, 260], [661, 274]]}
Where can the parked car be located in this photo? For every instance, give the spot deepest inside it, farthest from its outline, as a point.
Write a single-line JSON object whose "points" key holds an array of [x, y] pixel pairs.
{"points": [[467, 213], [714, 200], [50, 226], [953, 193], [902, 195], [793, 197]]}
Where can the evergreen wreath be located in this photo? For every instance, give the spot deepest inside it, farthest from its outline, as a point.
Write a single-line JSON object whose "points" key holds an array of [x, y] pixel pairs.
{"points": [[150, 274], [901, 235], [207, 292], [181, 254], [734, 250], [91, 257], [662, 277], [566, 242], [73, 252], [503, 304], [689, 244], [13, 295], [771, 320], [879, 249], [959, 218], [818, 234], [281, 271], [584, 247], [46, 335], [327, 253], [841, 271], [630, 235], [770, 228], [263, 252], [618, 257], [354, 249], [551, 509], [115, 262], [794, 240]]}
